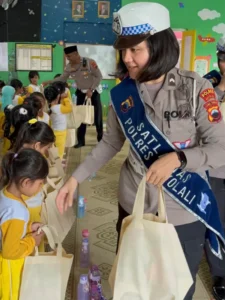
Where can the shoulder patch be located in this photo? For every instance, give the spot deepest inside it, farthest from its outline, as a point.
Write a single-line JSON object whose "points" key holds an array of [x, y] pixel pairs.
{"points": [[93, 64], [208, 94]]}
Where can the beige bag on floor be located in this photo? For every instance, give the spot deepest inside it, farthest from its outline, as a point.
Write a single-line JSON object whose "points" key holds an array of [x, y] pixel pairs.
{"points": [[150, 264], [55, 163], [50, 214], [84, 113], [71, 139], [45, 275]]}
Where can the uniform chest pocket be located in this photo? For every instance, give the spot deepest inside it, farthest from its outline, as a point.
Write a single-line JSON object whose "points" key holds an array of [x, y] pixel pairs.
{"points": [[179, 130]]}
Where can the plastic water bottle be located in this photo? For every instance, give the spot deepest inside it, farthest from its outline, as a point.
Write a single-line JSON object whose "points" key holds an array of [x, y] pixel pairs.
{"points": [[85, 250], [85, 204], [81, 207], [83, 288]]}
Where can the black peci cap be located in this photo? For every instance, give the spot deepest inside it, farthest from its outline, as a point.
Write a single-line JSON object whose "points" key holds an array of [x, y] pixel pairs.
{"points": [[70, 49]]}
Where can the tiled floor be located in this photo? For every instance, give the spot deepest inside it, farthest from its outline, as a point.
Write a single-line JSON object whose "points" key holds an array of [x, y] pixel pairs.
{"points": [[100, 219]]}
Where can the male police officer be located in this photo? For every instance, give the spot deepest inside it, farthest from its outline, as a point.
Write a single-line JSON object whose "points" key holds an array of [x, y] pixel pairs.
{"points": [[85, 72]]}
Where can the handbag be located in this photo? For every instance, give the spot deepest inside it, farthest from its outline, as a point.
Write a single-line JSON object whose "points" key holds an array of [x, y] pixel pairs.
{"points": [[55, 162], [50, 215], [45, 275], [154, 266], [84, 113]]}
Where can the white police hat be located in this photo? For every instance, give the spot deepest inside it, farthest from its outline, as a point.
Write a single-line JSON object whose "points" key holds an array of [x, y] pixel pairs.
{"points": [[221, 49], [135, 22]]}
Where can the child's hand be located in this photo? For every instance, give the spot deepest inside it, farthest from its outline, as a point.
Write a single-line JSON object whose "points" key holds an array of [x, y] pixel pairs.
{"points": [[38, 237], [35, 226]]}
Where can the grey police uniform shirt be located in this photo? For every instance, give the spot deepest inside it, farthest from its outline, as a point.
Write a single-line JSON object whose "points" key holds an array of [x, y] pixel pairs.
{"points": [[174, 96], [220, 172], [88, 77]]}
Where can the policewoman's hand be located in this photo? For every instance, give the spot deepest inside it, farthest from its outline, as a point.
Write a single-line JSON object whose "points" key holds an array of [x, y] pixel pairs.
{"points": [[162, 169], [64, 198]]}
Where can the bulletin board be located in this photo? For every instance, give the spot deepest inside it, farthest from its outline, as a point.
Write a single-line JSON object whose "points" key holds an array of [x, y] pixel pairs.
{"points": [[36, 57], [104, 55], [202, 65]]}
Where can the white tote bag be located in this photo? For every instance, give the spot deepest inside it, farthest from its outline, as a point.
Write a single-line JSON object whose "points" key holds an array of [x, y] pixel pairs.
{"points": [[150, 264], [50, 214], [55, 162], [84, 113], [45, 275]]}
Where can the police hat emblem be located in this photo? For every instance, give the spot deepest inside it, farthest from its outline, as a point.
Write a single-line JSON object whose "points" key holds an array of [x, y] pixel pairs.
{"points": [[117, 28]]}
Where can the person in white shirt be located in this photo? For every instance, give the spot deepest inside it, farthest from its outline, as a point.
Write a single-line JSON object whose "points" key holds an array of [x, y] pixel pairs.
{"points": [[57, 112]]}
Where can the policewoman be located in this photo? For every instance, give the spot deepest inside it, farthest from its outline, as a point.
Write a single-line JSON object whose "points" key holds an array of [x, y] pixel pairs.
{"points": [[217, 176], [164, 113]]}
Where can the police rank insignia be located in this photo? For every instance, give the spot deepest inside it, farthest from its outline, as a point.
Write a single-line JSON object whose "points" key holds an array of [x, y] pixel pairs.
{"points": [[127, 104], [211, 105], [116, 24]]}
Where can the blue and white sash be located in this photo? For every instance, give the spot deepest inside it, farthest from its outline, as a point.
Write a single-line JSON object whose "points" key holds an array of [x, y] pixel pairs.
{"points": [[189, 189]]}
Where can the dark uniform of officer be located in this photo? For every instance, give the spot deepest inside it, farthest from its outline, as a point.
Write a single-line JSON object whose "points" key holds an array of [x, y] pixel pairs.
{"points": [[85, 72]]}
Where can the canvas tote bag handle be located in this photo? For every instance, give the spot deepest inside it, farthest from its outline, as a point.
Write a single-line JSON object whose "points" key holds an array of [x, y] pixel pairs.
{"points": [[138, 209], [87, 101], [51, 241]]}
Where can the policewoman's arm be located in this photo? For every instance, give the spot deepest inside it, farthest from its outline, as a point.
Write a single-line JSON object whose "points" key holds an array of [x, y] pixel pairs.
{"points": [[211, 130], [111, 143]]}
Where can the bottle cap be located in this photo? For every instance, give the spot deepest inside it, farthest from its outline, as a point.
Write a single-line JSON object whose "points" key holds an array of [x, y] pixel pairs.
{"points": [[85, 233], [81, 197], [83, 279]]}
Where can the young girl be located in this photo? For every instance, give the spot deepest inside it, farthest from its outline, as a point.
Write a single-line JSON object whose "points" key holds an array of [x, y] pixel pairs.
{"points": [[18, 86], [23, 173], [67, 90], [40, 137], [33, 86], [42, 115], [14, 118], [34, 103], [58, 116], [8, 93]]}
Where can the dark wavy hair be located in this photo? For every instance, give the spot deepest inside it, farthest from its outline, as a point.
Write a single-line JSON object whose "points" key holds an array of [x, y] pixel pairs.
{"points": [[51, 93], [164, 53]]}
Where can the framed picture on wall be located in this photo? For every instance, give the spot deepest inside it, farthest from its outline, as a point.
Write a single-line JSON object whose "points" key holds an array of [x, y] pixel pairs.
{"points": [[78, 9], [103, 9]]}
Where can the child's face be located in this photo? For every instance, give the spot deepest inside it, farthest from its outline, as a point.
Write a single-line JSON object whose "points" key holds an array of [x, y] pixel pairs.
{"points": [[19, 90], [34, 80], [42, 102], [30, 188]]}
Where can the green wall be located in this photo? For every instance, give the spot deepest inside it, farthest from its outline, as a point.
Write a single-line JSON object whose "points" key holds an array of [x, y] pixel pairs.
{"points": [[187, 18], [58, 65]]}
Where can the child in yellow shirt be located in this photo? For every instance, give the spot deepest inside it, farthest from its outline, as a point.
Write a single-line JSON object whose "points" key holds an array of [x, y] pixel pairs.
{"points": [[58, 116], [33, 86], [23, 173], [18, 86], [40, 137]]}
